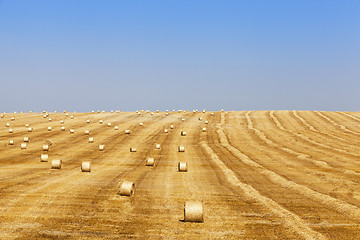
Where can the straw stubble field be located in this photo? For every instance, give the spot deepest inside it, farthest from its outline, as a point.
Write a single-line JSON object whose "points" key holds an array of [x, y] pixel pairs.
{"points": [[258, 175]]}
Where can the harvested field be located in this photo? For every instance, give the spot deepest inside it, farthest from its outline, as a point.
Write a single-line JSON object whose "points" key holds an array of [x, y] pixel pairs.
{"points": [[257, 174]]}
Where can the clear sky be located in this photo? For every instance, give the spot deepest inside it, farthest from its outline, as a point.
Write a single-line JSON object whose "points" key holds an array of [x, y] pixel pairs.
{"points": [[179, 54]]}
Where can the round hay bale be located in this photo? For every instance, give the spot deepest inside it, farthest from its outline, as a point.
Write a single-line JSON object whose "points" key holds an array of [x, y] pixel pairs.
{"points": [[204, 129], [50, 119], [157, 146], [12, 118], [133, 149], [204, 111], [72, 131], [44, 157], [30, 111], [46, 147], [112, 111], [193, 211], [49, 142], [165, 130], [72, 117], [206, 122], [30, 129], [56, 164], [141, 124], [222, 110], [49, 129], [182, 133], [91, 140], [116, 128], [109, 124], [7, 125], [127, 131], [212, 114], [11, 130], [88, 121], [26, 139], [167, 114], [101, 122], [150, 162], [101, 147], [200, 119], [44, 116], [171, 126], [27, 125], [62, 122], [139, 113], [62, 128], [181, 149], [2, 115], [182, 167], [157, 111], [11, 142], [127, 188], [87, 132], [183, 119], [23, 146], [151, 113], [86, 166]]}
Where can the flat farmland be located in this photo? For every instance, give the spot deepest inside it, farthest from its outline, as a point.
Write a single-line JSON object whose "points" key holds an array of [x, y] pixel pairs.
{"points": [[258, 175]]}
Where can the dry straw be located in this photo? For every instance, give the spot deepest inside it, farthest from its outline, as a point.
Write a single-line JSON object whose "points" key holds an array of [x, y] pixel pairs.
{"points": [[44, 157], [182, 167], [150, 162], [72, 130], [45, 147], [88, 121], [30, 129], [11, 130], [49, 129], [157, 146], [193, 211], [62, 128], [206, 122], [204, 129], [127, 188], [109, 124], [87, 132], [91, 140], [23, 146], [127, 131], [141, 124], [7, 125], [56, 164], [133, 149], [171, 126], [165, 130], [182, 133], [11, 142], [86, 166], [101, 147], [181, 149], [116, 128], [26, 139]]}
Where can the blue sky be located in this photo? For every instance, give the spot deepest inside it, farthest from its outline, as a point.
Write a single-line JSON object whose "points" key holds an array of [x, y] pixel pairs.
{"points": [[179, 54]]}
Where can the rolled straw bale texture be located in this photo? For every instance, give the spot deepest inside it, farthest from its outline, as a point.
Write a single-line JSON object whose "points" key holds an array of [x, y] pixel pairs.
{"points": [[86, 166], [23, 146], [127, 188], [56, 164], [182, 167], [193, 211], [44, 157], [101, 147], [181, 149], [150, 162]]}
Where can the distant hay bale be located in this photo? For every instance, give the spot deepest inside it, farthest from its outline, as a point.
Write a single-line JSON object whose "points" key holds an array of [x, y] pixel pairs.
{"points": [[127, 188], [182, 133], [46, 147], [26, 139], [204, 111], [193, 211], [2, 115], [50, 119], [11, 142], [109, 124], [12, 119], [127, 131], [139, 113], [183, 119], [72, 131], [44, 116], [150, 162], [151, 113], [30, 129], [212, 114], [182, 167], [88, 121], [44, 157], [23, 146], [116, 128], [101, 147], [62, 128], [91, 140], [167, 114], [171, 126], [27, 125], [165, 130], [157, 146], [157, 111], [62, 122], [86, 166], [222, 110], [11, 130], [181, 149], [72, 117], [30, 111], [141, 124], [133, 149], [204, 129], [7, 125], [101, 122], [200, 119], [49, 129], [112, 111], [206, 122], [56, 164]]}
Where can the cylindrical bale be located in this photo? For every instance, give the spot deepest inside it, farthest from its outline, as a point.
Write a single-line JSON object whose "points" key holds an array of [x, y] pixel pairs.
{"points": [[212, 114], [157, 111], [151, 113], [44, 157], [139, 113], [87, 132], [183, 119], [49, 129], [183, 133], [109, 124], [167, 114], [141, 124], [116, 128], [44, 116], [72, 117], [182, 167], [171, 126], [12, 119], [101, 121], [200, 119], [11, 142], [27, 125], [66, 114], [56, 164], [150, 162], [7, 125], [26, 139], [11, 130], [88, 121], [101, 147], [206, 122], [45, 147], [181, 149], [86, 166], [193, 211], [133, 149], [50, 119], [204, 129], [62, 122], [91, 140], [157, 146], [222, 110], [23, 146], [72, 130], [127, 131], [62, 128], [166, 131], [127, 188]]}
